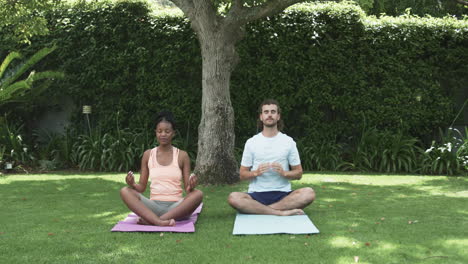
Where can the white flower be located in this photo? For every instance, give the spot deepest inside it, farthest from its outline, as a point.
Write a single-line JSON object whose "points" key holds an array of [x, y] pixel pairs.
{"points": [[449, 146], [429, 149]]}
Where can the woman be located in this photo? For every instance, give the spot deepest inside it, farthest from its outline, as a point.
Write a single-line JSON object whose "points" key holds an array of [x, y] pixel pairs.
{"points": [[167, 167]]}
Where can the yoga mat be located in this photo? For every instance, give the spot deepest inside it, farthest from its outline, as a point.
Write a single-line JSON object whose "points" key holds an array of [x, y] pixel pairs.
{"points": [[252, 224], [183, 226]]}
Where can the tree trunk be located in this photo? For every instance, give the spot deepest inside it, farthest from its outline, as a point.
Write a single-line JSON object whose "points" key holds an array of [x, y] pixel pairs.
{"points": [[216, 163], [218, 35]]}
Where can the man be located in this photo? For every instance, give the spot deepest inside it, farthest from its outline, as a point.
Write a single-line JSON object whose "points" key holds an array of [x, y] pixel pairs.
{"points": [[270, 160]]}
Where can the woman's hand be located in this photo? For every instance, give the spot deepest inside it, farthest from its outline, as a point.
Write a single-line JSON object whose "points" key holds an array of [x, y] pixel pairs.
{"points": [[192, 182], [130, 179]]}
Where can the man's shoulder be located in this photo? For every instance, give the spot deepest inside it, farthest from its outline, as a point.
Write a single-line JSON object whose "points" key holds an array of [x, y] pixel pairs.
{"points": [[253, 138], [285, 137]]}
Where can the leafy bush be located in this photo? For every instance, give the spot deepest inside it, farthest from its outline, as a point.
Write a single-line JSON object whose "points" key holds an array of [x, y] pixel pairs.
{"points": [[11, 87], [383, 151], [14, 148], [324, 156], [400, 154], [54, 150], [449, 156], [118, 151], [328, 64]]}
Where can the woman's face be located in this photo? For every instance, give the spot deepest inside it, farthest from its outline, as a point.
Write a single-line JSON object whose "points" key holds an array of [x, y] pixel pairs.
{"points": [[164, 133]]}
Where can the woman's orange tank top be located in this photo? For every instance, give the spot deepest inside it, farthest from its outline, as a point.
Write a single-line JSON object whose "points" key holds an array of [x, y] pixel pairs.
{"points": [[166, 181]]}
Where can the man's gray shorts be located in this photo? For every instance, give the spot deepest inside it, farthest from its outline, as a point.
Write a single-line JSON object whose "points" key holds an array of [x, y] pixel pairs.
{"points": [[159, 207]]}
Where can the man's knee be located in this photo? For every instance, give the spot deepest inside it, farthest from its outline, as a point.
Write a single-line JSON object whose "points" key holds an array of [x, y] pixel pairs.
{"points": [[308, 194], [234, 198]]}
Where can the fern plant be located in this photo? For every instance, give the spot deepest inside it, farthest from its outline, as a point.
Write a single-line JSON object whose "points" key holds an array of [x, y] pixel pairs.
{"points": [[10, 85]]}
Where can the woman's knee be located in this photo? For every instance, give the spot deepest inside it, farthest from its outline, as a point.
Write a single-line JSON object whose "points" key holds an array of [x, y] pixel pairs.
{"points": [[127, 191], [198, 194]]}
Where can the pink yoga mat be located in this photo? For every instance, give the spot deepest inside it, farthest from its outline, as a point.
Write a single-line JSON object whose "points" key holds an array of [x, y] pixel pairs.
{"points": [[184, 226]]}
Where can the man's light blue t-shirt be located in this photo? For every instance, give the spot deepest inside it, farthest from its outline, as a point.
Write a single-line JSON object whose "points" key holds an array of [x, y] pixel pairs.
{"points": [[260, 149]]}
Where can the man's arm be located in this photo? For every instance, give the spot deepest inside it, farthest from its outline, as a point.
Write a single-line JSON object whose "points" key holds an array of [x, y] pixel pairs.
{"points": [[246, 174], [295, 173]]}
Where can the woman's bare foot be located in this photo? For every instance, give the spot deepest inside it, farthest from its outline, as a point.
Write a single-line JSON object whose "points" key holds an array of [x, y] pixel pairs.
{"points": [[142, 221], [170, 222]]}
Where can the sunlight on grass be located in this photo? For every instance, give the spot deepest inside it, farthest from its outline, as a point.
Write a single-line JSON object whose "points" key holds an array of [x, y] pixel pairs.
{"points": [[461, 194], [103, 215], [342, 242], [328, 200], [381, 180], [440, 191], [350, 259], [461, 244], [387, 246]]}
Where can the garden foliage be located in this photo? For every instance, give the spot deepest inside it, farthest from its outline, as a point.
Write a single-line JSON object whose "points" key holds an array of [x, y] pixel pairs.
{"points": [[334, 70]]}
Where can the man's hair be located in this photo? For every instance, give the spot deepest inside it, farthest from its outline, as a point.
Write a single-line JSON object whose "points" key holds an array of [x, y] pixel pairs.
{"points": [[269, 102]]}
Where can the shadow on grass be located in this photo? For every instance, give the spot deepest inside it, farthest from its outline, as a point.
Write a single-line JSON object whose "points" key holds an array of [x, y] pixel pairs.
{"points": [[69, 220]]}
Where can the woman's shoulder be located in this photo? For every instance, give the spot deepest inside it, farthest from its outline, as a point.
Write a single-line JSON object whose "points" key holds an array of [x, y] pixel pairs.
{"points": [[147, 153], [182, 153]]}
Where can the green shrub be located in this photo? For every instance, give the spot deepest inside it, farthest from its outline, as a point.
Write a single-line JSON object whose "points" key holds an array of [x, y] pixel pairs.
{"points": [[120, 150], [383, 151], [14, 147], [54, 150], [329, 65], [449, 156], [324, 156]]}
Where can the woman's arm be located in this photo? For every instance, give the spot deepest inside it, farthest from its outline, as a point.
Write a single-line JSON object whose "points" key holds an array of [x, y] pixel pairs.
{"points": [[184, 163], [144, 174]]}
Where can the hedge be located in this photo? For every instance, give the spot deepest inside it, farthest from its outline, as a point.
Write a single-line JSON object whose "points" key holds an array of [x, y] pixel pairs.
{"points": [[333, 69]]}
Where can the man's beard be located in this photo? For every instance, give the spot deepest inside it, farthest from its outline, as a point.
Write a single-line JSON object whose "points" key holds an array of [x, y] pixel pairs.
{"points": [[270, 124]]}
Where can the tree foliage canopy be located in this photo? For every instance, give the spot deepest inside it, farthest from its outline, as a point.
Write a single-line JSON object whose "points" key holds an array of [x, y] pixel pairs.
{"points": [[23, 19], [419, 7]]}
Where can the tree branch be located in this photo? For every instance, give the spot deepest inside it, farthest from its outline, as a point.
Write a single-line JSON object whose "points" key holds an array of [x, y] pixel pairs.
{"points": [[241, 15], [201, 13], [184, 5], [462, 2]]}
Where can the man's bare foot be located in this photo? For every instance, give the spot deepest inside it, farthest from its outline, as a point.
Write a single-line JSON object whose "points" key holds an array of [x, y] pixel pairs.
{"points": [[292, 212], [170, 222]]}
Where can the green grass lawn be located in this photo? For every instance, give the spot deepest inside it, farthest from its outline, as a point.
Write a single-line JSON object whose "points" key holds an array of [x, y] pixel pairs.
{"points": [[65, 218]]}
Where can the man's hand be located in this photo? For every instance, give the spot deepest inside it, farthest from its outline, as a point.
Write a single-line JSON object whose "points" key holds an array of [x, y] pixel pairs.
{"points": [[262, 168], [276, 166]]}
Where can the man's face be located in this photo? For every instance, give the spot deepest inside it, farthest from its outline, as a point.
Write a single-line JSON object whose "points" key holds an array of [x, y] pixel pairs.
{"points": [[270, 115]]}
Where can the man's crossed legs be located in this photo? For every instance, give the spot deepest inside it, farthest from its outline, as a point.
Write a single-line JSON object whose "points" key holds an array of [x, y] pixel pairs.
{"points": [[292, 204]]}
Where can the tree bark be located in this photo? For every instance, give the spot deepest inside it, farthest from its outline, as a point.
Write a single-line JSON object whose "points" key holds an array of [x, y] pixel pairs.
{"points": [[216, 163]]}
